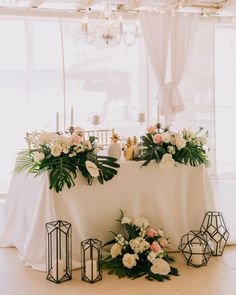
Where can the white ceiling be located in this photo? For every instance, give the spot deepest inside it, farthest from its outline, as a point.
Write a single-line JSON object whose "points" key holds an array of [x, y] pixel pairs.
{"points": [[222, 7]]}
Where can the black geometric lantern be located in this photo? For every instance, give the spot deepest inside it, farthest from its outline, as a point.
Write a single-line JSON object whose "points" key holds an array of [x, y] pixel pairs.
{"points": [[214, 225], [59, 252], [91, 256], [195, 248]]}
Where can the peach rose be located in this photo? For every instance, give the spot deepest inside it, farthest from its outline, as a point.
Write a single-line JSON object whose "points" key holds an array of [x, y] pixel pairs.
{"points": [[157, 138], [75, 139], [151, 233], [151, 129], [155, 247]]}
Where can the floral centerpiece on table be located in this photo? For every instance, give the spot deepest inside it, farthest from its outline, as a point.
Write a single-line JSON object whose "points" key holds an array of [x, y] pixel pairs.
{"points": [[139, 251], [167, 147], [63, 155]]}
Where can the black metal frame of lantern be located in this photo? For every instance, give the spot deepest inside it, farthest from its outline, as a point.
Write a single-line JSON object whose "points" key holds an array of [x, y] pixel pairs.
{"points": [[59, 251], [214, 225], [91, 256], [195, 248]]}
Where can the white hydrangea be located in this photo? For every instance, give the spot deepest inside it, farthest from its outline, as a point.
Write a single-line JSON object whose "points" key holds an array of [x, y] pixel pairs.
{"points": [[139, 245], [171, 149]]}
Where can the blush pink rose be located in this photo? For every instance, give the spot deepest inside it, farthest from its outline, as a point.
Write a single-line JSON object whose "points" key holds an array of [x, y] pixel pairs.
{"points": [[163, 243], [151, 129], [151, 233], [76, 139], [157, 138], [155, 247]]}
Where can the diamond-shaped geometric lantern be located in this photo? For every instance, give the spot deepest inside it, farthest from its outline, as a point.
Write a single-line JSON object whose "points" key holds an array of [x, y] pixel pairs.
{"points": [[195, 248], [213, 224], [59, 252], [91, 256]]}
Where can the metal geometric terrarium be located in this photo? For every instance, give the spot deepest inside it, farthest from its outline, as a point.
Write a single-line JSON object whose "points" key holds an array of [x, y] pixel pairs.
{"points": [[59, 252], [214, 226], [195, 248]]}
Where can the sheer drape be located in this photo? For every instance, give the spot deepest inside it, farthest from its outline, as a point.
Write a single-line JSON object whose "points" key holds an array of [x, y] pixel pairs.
{"points": [[158, 29]]}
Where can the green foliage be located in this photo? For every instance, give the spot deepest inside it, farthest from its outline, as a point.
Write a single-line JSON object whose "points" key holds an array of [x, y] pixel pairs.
{"points": [[63, 169], [192, 153]]}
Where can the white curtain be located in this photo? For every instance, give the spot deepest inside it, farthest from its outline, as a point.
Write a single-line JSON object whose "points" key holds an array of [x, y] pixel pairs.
{"points": [[158, 29]]}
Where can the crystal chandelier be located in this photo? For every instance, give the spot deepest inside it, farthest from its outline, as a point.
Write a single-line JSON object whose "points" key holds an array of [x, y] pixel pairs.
{"points": [[108, 30]]}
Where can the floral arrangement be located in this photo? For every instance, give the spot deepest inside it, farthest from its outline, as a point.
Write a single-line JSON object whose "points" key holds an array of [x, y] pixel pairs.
{"points": [[139, 251], [167, 147], [62, 155]]}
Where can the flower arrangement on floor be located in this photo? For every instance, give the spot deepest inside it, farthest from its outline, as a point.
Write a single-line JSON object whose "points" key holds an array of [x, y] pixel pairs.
{"points": [[62, 156], [139, 251], [167, 147]]}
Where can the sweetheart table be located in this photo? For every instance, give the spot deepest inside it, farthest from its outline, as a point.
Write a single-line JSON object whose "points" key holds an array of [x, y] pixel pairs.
{"points": [[174, 200]]}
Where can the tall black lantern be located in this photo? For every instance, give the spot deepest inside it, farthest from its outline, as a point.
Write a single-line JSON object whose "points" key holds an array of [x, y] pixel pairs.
{"points": [[91, 256], [59, 251], [195, 248], [214, 225]]}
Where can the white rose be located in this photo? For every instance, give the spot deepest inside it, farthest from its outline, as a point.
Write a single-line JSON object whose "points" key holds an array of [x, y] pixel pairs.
{"points": [[167, 162], [160, 266], [38, 156], [92, 168], [56, 150], [165, 136], [139, 245], [180, 142], [116, 250], [129, 260], [141, 222], [125, 219]]}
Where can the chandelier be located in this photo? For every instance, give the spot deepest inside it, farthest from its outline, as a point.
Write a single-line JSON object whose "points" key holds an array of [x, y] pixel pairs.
{"points": [[108, 30]]}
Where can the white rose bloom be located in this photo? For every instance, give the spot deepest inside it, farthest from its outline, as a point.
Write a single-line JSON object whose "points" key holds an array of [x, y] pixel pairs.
{"points": [[38, 156], [129, 260], [167, 162], [141, 222], [165, 136], [56, 150], [92, 168], [125, 219], [160, 266], [180, 142], [116, 250]]}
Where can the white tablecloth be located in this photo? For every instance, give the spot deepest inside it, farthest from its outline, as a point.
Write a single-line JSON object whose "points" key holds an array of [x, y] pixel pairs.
{"points": [[174, 200]]}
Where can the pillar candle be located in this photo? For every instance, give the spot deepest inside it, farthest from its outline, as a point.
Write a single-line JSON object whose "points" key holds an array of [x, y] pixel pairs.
{"points": [[96, 120], [57, 122], [197, 254], [158, 113], [72, 117], [141, 117], [91, 269], [61, 269]]}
